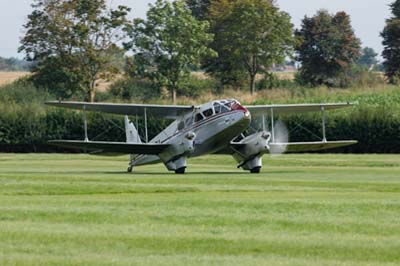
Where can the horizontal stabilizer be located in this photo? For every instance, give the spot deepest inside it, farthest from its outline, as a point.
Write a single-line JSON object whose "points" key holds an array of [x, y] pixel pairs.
{"points": [[293, 147], [112, 147], [167, 111]]}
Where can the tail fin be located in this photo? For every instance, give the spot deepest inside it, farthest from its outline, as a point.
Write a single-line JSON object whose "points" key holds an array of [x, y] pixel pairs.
{"points": [[132, 135]]}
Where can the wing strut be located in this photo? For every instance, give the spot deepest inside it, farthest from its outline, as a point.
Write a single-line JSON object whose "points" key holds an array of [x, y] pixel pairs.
{"points": [[272, 125], [323, 124], [85, 124], [263, 122], [145, 125]]}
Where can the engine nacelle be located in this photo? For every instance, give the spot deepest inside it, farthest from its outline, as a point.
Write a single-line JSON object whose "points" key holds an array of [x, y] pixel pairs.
{"points": [[249, 151], [175, 156]]}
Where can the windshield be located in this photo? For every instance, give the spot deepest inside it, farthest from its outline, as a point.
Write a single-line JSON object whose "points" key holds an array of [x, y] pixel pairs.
{"points": [[224, 105]]}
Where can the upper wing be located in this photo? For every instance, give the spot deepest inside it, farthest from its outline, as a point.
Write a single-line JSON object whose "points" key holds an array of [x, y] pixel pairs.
{"points": [[257, 110], [167, 111], [112, 147]]}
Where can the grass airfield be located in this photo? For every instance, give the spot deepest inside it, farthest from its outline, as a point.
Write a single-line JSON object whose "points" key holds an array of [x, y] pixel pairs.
{"points": [[302, 210]]}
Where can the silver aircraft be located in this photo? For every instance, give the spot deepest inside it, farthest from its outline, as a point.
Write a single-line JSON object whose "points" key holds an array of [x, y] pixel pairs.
{"points": [[217, 127]]}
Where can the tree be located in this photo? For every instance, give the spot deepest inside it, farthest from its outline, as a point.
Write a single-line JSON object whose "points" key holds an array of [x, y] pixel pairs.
{"points": [[368, 57], [250, 36], [326, 47], [168, 44], [73, 43], [391, 43], [199, 8]]}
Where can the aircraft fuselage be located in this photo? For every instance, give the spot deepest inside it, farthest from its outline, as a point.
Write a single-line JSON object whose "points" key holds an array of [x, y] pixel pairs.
{"points": [[213, 132]]}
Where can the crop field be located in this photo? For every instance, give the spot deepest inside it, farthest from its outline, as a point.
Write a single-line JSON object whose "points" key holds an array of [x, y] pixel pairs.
{"points": [[301, 210], [9, 77]]}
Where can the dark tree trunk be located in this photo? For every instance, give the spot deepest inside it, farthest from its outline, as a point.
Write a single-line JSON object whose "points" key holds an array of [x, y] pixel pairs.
{"points": [[92, 95], [92, 91], [252, 83], [174, 95]]}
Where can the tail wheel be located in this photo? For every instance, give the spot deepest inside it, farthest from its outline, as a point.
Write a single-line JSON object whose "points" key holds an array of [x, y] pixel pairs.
{"points": [[180, 170], [256, 170], [129, 170]]}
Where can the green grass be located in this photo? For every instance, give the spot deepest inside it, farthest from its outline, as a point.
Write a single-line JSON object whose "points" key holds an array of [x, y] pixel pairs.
{"points": [[302, 210]]}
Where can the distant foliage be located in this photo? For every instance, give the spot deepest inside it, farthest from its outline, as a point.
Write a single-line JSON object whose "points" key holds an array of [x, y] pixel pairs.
{"points": [[22, 92], [74, 43], [250, 36], [134, 89], [368, 58], [168, 44], [199, 8], [14, 64], [360, 76], [326, 48], [271, 81], [391, 43], [195, 87]]}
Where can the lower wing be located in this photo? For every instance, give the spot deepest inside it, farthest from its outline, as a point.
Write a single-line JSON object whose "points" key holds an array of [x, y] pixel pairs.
{"points": [[112, 147], [293, 147]]}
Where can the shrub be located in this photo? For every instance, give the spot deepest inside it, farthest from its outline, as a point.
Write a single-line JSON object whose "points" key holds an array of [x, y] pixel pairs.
{"points": [[195, 86], [133, 88], [271, 81], [22, 91]]}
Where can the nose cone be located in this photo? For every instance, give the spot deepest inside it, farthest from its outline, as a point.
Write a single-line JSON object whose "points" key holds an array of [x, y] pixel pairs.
{"points": [[240, 107], [247, 115], [245, 118]]}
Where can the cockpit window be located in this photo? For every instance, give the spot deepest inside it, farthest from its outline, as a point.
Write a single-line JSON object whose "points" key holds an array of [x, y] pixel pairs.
{"points": [[219, 108], [208, 112], [198, 117]]}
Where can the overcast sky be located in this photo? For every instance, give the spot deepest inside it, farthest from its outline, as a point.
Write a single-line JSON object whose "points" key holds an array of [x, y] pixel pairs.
{"points": [[368, 17]]}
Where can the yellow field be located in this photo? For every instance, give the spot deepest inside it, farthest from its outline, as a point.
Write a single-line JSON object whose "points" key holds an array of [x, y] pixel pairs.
{"points": [[8, 77]]}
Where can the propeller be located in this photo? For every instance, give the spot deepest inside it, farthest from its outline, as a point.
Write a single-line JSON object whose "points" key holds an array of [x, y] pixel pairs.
{"points": [[281, 137]]}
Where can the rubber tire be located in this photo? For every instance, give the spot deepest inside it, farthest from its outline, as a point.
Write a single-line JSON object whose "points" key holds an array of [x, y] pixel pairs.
{"points": [[129, 170], [180, 171], [255, 170]]}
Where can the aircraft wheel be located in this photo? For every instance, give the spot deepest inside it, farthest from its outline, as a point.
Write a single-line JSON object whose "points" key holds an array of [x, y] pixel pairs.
{"points": [[180, 170], [130, 168], [255, 170]]}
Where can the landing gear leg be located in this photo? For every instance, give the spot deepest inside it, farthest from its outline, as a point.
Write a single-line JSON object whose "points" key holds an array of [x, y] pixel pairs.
{"points": [[130, 168]]}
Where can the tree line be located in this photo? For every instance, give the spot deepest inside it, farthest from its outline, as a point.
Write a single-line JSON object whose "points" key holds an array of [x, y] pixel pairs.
{"points": [[14, 64], [75, 43]]}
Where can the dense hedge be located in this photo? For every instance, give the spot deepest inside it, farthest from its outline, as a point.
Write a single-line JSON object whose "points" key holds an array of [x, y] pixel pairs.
{"points": [[24, 130], [376, 128], [28, 128]]}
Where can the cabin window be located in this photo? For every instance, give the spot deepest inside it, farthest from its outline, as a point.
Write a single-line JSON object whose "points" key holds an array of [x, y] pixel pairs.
{"points": [[198, 117], [217, 108], [208, 112]]}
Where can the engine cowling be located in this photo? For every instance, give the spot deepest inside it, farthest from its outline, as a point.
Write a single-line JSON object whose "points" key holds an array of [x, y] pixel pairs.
{"points": [[249, 151], [175, 156]]}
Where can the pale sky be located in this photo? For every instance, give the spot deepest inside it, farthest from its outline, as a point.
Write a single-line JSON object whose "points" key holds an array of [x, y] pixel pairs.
{"points": [[368, 17]]}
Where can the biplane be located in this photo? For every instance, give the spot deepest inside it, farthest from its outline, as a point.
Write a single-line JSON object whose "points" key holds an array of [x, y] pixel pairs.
{"points": [[217, 127]]}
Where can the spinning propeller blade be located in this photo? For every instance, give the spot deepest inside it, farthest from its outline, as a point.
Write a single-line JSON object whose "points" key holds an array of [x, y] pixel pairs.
{"points": [[281, 137]]}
